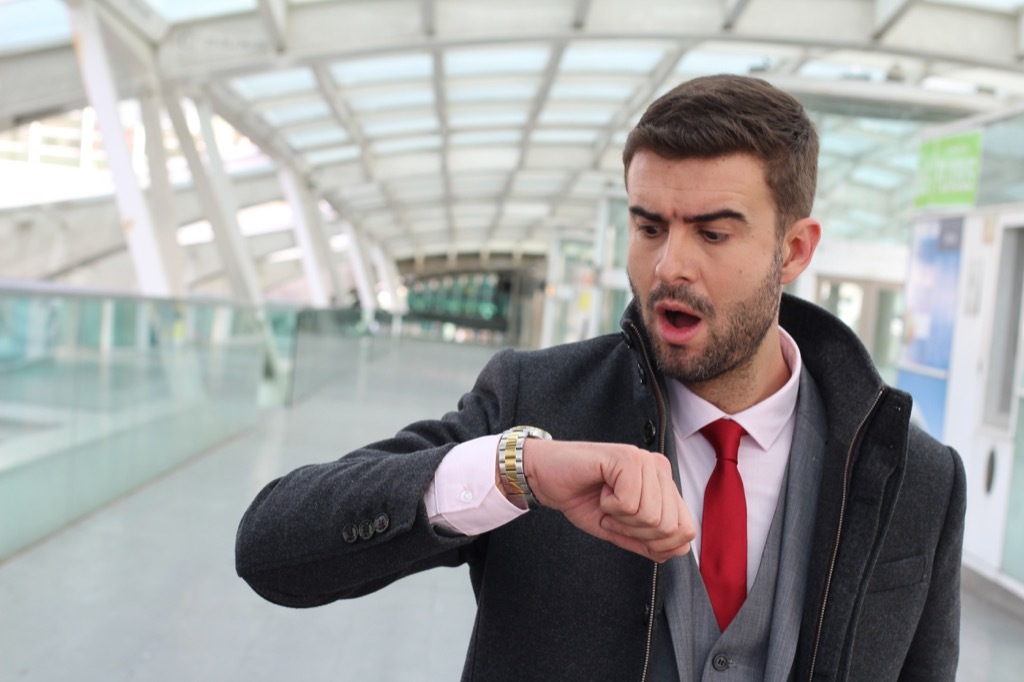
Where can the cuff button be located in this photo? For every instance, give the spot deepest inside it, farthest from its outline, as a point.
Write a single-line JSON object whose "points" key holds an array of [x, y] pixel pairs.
{"points": [[350, 533], [366, 530]]}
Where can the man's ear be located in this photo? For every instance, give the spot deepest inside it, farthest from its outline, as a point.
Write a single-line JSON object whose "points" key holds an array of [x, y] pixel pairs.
{"points": [[798, 247]]}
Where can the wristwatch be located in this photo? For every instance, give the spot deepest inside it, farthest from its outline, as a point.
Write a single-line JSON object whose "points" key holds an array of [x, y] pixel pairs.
{"points": [[510, 464]]}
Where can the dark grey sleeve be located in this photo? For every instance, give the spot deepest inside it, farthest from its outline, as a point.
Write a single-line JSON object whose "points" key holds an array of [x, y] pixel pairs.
{"points": [[294, 545], [934, 652]]}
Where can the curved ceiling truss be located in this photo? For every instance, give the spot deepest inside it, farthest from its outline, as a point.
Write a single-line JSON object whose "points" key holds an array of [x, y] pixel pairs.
{"points": [[486, 126]]}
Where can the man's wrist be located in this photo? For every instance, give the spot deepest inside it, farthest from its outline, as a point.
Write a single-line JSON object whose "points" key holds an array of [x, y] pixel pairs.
{"points": [[512, 478]]}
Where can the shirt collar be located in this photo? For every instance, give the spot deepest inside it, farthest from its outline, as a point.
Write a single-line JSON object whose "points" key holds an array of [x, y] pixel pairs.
{"points": [[763, 422]]}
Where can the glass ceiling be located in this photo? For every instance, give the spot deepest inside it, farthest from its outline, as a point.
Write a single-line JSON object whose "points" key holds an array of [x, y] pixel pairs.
{"points": [[437, 132]]}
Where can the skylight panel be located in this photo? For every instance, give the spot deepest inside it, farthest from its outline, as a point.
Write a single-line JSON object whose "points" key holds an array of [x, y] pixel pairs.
{"points": [[407, 144], [487, 119], [493, 61], [1008, 6], [570, 117], [274, 84], [470, 93], [406, 67], [486, 137], [834, 70], [28, 24], [846, 145], [567, 136], [190, 10], [385, 99], [296, 113], [611, 58], [715, 61], [323, 157], [611, 92], [879, 178], [316, 137], [400, 126]]}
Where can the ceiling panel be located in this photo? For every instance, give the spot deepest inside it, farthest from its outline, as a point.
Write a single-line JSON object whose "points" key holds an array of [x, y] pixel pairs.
{"points": [[508, 115]]}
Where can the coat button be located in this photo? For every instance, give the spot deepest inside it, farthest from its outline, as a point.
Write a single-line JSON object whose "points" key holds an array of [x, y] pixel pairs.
{"points": [[627, 340], [366, 530], [650, 432], [642, 372], [350, 533], [720, 662], [381, 523]]}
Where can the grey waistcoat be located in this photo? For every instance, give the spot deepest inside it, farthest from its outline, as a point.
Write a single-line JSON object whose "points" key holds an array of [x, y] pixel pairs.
{"points": [[760, 643]]}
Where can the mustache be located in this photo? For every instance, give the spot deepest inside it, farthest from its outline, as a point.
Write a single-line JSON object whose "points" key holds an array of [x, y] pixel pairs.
{"points": [[680, 294]]}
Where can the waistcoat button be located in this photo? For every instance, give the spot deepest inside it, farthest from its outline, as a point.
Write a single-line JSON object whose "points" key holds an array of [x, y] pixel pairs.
{"points": [[650, 432], [720, 662], [642, 372]]}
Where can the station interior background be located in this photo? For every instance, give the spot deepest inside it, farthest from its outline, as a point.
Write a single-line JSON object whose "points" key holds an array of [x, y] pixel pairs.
{"points": [[212, 211]]}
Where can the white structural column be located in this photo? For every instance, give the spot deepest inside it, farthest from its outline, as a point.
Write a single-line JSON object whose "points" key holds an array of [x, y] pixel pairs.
{"points": [[223, 219], [361, 273], [161, 193], [387, 275], [151, 271], [317, 257]]}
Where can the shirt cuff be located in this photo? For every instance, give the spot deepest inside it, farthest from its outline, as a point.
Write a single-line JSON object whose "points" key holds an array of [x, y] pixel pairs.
{"points": [[463, 497]]}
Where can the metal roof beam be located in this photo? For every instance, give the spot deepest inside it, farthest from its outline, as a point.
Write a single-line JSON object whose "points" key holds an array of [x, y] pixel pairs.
{"points": [[733, 11], [129, 35], [441, 108], [344, 116], [641, 99], [275, 16], [887, 13], [579, 14], [428, 15], [141, 16], [539, 102]]}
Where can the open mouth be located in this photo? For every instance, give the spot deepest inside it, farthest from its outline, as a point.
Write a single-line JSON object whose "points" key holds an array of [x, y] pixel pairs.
{"points": [[681, 320]]}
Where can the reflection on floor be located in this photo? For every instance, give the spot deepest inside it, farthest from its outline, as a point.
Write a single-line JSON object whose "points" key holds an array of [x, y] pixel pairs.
{"points": [[145, 589]]}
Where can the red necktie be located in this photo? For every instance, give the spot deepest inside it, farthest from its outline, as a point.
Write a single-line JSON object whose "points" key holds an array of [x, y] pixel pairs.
{"points": [[723, 544]]}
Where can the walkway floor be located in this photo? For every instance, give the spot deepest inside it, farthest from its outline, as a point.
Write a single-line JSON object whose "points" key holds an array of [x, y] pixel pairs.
{"points": [[145, 590]]}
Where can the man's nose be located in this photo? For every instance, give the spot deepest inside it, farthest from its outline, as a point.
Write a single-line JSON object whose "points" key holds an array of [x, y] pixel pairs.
{"points": [[676, 259]]}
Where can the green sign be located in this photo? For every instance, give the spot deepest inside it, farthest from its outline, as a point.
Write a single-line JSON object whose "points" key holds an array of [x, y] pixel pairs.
{"points": [[948, 170]]}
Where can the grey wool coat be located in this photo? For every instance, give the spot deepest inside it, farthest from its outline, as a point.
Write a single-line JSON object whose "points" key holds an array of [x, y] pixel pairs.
{"points": [[882, 600]]}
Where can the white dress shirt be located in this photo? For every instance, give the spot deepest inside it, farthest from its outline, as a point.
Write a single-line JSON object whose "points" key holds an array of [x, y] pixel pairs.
{"points": [[763, 453], [463, 496]]}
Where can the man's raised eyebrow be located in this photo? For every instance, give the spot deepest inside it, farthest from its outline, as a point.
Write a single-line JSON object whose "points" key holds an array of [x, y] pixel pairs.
{"points": [[697, 219], [724, 214], [647, 215]]}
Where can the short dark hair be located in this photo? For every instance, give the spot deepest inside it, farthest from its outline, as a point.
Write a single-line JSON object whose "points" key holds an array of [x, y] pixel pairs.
{"points": [[713, 116]]}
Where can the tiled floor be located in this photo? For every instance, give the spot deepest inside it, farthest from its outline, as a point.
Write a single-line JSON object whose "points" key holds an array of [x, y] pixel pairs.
{"points": [[145, 589]]}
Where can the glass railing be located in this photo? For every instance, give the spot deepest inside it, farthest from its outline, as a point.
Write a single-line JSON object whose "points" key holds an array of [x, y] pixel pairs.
{"points": [[101, 393]]}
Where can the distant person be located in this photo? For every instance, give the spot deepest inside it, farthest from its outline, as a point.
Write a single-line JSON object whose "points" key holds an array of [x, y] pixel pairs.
{"points": [[729, 490]]}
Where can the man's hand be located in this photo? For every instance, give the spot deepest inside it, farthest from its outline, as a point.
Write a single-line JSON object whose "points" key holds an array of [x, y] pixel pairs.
{"points": [[615, 492]]}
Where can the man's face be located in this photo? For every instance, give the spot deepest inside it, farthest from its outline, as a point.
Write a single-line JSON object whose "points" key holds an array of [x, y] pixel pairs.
{"points": [[705, 263]]}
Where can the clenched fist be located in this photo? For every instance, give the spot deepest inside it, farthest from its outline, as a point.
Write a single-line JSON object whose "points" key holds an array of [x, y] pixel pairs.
{"points": [[615, 492]]}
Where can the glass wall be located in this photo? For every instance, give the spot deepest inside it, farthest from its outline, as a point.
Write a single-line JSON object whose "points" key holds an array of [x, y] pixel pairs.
{"points": [[99, 394]]}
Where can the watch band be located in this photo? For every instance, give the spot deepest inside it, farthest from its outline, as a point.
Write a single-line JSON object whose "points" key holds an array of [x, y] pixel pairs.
{"points": [[510, 464]]}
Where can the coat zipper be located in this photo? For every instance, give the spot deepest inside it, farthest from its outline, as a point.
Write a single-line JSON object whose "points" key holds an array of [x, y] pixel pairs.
{"points": [[661, 448], [839, 530]]}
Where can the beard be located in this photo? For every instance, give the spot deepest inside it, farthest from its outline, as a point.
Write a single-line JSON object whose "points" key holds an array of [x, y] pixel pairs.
{"points": [[733, 336]]}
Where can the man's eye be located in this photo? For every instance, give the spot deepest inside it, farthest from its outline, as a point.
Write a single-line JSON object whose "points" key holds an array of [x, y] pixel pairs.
{"points": [[714, 237], [649, 230]]}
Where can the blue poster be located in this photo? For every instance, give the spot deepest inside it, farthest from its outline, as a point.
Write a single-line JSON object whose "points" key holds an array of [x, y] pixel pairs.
{"points": [[931, 305], [931, 292]]}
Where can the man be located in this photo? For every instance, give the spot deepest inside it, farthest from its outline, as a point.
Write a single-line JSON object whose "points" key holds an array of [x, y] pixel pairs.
{"points": [[826, 530]]}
